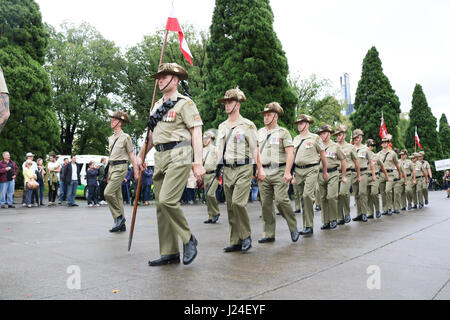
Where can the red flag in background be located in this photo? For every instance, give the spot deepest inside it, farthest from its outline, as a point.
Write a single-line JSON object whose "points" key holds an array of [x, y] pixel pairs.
{"points": [[383, 129], [416, 136], [174, 25]]}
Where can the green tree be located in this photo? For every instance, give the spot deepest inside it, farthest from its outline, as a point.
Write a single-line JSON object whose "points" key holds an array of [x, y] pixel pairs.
{"points": [[141, 61], [21, 25], [444, 136], [422, 118], [244, 51], [402, 128], [32, 126], [375, 96], [85, 71]]}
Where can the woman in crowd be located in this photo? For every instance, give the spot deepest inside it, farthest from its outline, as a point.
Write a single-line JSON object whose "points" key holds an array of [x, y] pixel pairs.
{"points": [[147, 177], [53, 168], [28, 175], [91, 177], [40, 173]]}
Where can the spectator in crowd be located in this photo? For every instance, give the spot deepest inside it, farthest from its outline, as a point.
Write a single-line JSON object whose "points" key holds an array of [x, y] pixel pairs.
{"points": [[72, 179], [189, 192], [8, 173], [40, 173], [62, 185], [126, 186], [147, 181], [53, 169], [254, 190], [446, 179], [102, 181], [28, 175], [29, 156], [91, 177]]}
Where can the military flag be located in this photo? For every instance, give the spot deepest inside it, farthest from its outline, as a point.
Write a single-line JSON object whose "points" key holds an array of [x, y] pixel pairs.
{"points": [[174, 25]]}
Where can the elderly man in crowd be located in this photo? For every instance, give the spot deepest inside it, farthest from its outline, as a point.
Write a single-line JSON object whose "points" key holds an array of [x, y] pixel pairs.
{"points": [[8, 173]]}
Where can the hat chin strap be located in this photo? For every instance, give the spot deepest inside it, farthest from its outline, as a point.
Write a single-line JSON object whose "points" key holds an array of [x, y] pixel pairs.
{"points": [[235, 104], [271, 121], [167, 84]]}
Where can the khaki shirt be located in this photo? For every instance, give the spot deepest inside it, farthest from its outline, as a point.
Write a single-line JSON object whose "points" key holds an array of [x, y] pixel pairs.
{"points": [[334, 155], [3, 87], [309, 152], [241, 144], [122, 148], [211, 160], [418, 166], [389, 159], [175, 125], [376, 162], [364, 155], [349, 151], [426, 165], [274, 151], [406, 166]]}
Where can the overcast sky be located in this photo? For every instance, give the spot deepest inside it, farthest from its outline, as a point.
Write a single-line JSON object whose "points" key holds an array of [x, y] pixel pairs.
{"points": [[324, 37]]}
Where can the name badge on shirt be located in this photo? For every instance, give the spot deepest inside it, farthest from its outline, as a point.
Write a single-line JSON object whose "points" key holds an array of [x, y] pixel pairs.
{"points": [[170, 116], [239, 137], [330, 154], [362, 154]]}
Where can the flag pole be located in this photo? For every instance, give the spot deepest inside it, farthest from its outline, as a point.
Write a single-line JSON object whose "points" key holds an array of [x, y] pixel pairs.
{"points": [[138, 190], [415, 141]]}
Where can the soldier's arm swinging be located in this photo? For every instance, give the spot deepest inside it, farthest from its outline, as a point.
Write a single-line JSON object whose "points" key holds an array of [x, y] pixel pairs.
{"points": [[289, 163], [372, 169], [358, 170], [344, 171], [197, 166], [324, 165], [4, 110]]}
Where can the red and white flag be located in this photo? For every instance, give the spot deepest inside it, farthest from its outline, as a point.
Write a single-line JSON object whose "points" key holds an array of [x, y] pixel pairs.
{"points": [[174, 25], [383, 129], [416, 136]]}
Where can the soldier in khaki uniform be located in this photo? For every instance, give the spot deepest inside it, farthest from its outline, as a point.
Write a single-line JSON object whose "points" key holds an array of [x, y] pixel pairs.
{"points": [[277, 155], [209, 162], [407, 167], [390, 162], [237, 146], [308, 151], [329, 188], [427, 168], [421, 180], [176, 132], [360, 188], [120, 151], [373, 186], [352, 174]]}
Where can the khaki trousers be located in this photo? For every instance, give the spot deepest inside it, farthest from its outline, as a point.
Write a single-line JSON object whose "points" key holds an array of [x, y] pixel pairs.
{"points": [[373, 195], [360, 191], [171, 173], [237, 183], [386, 188], [329, 192], [344, 195], [113, 190], [274, 188], [306, 181], [211, 201]]}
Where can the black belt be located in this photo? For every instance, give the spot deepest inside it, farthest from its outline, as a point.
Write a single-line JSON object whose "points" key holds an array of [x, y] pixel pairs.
{"points": [[348, 170], [417, 177], [330, 170], [307, 166], [171, 145], [397, 179], [116, 163], [362, 169], [389, 170], [234, 165], [408, 175], [277, 165], [209, 172]]}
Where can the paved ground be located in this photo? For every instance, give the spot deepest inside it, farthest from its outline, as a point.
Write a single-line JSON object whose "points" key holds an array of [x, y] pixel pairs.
{"points": [[43, 250]]}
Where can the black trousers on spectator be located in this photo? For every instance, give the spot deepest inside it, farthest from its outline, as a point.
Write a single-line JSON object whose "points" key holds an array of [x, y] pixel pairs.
{"points": [[101, 191], [52, 193]]}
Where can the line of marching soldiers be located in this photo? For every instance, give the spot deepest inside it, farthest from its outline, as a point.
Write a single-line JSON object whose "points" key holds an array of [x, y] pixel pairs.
{"points": [[321, 170]]}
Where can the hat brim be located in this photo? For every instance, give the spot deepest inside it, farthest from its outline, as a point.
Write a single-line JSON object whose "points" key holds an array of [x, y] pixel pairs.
{"points": [[320, 131], [181, 76], [120, 119], [303, 120], [267, 111], [337, 132]]}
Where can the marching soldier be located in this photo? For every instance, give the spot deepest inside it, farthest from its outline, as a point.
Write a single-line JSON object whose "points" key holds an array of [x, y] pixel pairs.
{"points": [[209, 162], [373, 186], [407, 167], [308, 151], [390, 161], [421, 179], [176, 133], [329, 188], [427, 168], [277, 155], [352, 174], [120, 151], [237, 145], [360, 188]]}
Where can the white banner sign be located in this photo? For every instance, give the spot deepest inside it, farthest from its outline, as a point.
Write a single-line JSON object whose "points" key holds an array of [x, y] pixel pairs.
{"points": [[442, 165]]}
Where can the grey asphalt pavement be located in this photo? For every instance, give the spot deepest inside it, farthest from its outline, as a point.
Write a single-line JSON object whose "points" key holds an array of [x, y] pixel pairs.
{"points": [[67, 253]]}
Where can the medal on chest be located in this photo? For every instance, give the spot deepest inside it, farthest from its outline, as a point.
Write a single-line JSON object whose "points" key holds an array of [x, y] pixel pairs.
{"points": [[239, 137], [330, 154], [170, 116], [275, 140]]}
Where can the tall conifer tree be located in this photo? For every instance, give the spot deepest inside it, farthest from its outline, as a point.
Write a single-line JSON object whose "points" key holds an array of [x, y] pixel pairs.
{"points": [[444, 136], [244, 51], [375, 96]]}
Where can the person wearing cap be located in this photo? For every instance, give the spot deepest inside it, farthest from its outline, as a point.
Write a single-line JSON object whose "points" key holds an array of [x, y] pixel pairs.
{"points": [[421, 180], [352, 175], [390, 162], [373, 193], [329, 188], [121, 151], [210, 162], [360, 188], [308, 153], [406, 191], [277, 155], [237, 149], [176, 133], [4, 101], [427, 168], [34, 167]]}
